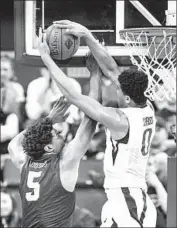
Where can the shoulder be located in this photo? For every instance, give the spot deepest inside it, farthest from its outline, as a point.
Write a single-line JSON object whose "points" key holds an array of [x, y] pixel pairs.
{"points": [[116, 121]]}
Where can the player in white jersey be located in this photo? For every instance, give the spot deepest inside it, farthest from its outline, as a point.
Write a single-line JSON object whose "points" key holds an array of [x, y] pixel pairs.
{"points": [[125, 164], [130, 130]]}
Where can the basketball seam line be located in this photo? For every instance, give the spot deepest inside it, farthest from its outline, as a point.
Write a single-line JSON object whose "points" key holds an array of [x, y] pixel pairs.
{"points": [[73, 47], [49, 38], [61, 46]]}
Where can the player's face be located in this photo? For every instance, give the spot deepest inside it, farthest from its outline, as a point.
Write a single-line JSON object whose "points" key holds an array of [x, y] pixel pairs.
{"points": [[6, 204], [121, 99], [6, 71], [59, 133]]}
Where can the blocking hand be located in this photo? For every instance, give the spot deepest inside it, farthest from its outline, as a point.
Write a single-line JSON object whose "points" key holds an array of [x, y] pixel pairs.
{"points": [[57, 114], [73, 28], [91, 63]]}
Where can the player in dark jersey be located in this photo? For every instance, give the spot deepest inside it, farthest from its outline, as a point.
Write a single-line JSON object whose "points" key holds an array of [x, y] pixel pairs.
{"points": [[49, 175]]}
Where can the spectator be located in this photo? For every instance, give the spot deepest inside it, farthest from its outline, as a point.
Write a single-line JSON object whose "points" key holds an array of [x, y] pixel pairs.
{"points": [[159, 197], [12, 95], [161, 141], [160, 163], [9, 214], [173, 131], [83, 218], [168, 113], [12, 92], [161, 135], [41, 94], [98, 143]]}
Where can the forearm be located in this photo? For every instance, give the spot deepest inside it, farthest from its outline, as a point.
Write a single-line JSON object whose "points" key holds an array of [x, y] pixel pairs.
{"points": [[63, 82], [95, 85], [87, 104], [105, 61], [15, 149], [88, 125], [162, 196]]}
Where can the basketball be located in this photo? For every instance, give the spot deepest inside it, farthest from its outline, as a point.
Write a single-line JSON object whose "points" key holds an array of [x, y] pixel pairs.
{"points": [[62, 45]]}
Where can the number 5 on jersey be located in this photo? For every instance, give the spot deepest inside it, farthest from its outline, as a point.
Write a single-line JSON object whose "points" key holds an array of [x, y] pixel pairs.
{"points": [[31, 183]]}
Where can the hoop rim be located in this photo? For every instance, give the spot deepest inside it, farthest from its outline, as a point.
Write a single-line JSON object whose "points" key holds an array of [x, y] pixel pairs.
{"points": [[151, 31]]}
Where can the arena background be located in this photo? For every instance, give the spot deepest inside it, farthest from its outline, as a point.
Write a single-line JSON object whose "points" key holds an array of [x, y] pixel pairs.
{"points": [[90, 194]]}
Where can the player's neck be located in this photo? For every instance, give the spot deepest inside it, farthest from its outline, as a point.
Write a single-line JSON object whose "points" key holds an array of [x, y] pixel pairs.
{"points": [[134, 105], [141, 106]]}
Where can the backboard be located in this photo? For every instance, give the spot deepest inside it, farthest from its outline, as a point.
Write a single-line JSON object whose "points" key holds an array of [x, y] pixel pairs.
{"points": [[105, 18]]}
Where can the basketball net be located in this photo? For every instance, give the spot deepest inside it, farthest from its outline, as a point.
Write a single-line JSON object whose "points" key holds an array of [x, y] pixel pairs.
{"points": [[158, 61]]}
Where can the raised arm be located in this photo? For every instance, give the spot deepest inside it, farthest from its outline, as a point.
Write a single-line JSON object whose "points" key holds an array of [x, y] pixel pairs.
{"points": [[16, 152], [73, 152], [109, 117], [87, 127], [106, 62]]}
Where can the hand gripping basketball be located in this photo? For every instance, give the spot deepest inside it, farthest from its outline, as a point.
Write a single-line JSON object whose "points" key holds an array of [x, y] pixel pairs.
{"points": [[73, 28], [62, 45]]}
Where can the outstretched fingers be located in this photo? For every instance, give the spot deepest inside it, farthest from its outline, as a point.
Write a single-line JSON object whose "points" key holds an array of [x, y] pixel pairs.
{"points": [[62, 104], [59, 102], [64, 22]]}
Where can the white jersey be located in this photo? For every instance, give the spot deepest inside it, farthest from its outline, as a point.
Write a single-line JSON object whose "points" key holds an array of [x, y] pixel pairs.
{"points": [[126, 160]]}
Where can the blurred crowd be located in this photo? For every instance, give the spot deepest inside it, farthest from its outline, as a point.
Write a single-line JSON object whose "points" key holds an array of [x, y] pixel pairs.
{"points": [[20, 108]]}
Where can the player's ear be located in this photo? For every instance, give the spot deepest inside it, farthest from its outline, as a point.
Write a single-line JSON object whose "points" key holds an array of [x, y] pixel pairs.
{"points": [[49, 148], [127, 99]]}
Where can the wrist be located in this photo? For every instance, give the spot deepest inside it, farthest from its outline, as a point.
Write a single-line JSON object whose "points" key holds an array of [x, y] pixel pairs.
{"points": [[49, 117], [87, 35], [95, 72], [44, 56]]}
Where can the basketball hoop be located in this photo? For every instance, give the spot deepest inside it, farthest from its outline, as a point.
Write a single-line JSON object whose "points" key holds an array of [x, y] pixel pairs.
{"points": [[158, 60]]}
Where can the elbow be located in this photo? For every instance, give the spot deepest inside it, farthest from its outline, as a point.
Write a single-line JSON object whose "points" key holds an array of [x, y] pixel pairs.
{"points": [[9, 147], [11, 151], [72, 97], [9, 135], [13, 132]]}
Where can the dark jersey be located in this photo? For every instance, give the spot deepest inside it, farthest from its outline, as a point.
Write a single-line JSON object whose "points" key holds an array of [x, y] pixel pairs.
{"points": [[45, 203]]}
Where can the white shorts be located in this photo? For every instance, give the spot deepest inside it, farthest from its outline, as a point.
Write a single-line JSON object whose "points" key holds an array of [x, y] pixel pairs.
{"points": [[128, 207]]}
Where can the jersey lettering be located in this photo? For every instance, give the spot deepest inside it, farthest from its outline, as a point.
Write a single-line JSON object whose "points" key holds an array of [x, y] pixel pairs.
{"points": [[31, 183], [146, 141]]}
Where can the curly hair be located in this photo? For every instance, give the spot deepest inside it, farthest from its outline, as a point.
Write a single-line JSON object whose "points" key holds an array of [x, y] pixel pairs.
{"points": [[37, 137], [134, 83]]}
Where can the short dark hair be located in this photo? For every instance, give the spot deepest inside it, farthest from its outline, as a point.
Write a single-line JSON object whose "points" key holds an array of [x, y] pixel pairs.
{"points": [[134, 83], [37, 137]]}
